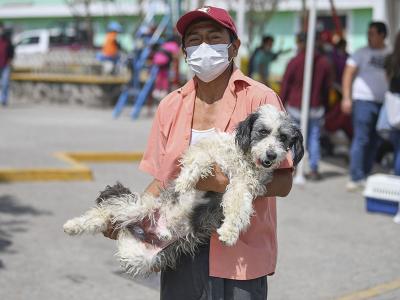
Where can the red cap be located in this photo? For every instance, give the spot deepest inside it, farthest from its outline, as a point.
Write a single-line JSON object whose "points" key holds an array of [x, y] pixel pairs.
{"points": [[209, 12]]}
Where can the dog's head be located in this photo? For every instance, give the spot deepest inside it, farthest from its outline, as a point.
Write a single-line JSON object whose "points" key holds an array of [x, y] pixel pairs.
{"points": [[268, 134]]}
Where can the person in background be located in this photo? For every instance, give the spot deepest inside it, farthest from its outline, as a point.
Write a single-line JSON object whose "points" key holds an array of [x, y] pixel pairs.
{"points": [[216, 99], [338, 124], [251, 65], [364, 86], [165, 56], [260, 61], [291, 93], [111, 47], [339, 57], [392, 67], [6, 57]]}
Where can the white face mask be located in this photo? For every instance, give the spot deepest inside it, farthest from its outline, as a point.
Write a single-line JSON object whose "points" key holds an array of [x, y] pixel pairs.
{"points": [[208, 61]]}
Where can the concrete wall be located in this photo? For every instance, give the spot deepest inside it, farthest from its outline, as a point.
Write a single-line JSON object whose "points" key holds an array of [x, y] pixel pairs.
{"points": [[64, 93]]}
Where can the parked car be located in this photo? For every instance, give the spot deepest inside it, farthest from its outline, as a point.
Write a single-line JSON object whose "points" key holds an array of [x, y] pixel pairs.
{"points": [[43, 40]]}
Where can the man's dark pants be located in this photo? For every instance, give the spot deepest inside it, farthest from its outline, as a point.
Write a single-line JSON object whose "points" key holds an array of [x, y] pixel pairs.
{"points": [[190, 281]]}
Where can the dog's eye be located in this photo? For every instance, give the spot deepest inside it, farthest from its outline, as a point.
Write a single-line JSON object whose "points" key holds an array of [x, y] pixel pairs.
{"points": [[264, 132], [283, 138]]}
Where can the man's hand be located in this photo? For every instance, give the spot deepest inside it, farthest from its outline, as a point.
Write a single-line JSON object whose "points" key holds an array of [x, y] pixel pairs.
{"points": [[111, 232], [346, 105], [281, 183], [216, 182]]}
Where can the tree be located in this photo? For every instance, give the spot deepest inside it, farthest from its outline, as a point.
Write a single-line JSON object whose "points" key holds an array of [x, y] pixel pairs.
{"points": [[259, 14], [80, 10]]}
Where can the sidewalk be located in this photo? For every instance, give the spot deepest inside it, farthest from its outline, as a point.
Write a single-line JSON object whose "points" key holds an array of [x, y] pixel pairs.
{"points": [[328, 245]]}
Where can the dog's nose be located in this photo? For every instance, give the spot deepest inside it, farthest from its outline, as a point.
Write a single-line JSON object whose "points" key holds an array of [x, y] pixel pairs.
{"points": [[271, 155]]}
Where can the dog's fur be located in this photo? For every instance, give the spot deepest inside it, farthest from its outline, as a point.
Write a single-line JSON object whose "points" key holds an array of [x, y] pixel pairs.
{"points": [[153, 232]]}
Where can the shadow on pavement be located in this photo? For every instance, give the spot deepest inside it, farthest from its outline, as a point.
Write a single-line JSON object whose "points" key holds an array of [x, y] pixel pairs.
{"points": [[9, 206], [152, 282], [337, 161], [5, 242], [331, 174]]}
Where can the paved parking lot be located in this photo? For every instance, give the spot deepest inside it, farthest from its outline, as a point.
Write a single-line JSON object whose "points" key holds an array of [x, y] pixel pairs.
{"points": [[328, 245]]}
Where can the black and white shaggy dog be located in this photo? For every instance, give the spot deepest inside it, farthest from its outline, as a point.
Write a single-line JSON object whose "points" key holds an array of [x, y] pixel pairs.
{"points": [[154, 231]]}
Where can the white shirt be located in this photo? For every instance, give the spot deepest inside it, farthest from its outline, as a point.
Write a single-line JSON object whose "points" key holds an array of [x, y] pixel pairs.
{"points": [[370, 83], [197, 135]]}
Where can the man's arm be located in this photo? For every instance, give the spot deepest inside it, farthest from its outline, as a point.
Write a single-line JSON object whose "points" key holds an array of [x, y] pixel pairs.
{"points": [[347, 82], [284, 51], [280, 185], [154, 188]]}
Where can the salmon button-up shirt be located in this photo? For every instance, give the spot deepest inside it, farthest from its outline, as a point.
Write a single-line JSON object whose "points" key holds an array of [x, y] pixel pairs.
{"points": [[255, 253]]}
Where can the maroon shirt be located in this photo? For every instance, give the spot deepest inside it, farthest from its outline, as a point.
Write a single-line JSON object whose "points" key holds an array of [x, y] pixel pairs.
{"points": [[292, 81], [6, 52]]}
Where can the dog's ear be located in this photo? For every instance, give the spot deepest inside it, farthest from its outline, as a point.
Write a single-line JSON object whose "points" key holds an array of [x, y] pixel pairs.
{"points": [[296, 144], [243, 132]]}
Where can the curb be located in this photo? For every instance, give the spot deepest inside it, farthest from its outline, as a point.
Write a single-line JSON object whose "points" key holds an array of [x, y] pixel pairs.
{"points": [[76, 171], [69, 78]]}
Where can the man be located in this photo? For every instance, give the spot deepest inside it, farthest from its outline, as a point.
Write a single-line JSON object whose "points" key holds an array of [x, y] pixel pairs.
{"points": [[291, 92], [6, 56], [217, 98], [364, 87], [260, 61]]}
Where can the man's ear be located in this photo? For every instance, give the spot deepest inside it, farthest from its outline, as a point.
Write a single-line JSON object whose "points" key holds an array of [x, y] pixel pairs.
{"points": [[235, 47], [184, 53]]}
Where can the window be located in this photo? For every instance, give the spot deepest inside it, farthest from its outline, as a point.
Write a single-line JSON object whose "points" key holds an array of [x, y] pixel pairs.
{"points": [[32, 40]]}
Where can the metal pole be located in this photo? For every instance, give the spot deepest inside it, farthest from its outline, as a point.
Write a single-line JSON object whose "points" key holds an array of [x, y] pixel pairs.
{"points": [[240, 21], [308, 68]]}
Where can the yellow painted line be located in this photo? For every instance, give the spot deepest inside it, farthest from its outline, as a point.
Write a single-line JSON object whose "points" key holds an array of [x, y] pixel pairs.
{"points": [[66, 157], [374, 291], [76, 171], [106, 156], [11, 175], [69, 78]]}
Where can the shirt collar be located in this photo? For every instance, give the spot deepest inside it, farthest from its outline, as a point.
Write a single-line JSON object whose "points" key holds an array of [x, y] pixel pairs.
{"points": [[236, 83], [237, 77]]}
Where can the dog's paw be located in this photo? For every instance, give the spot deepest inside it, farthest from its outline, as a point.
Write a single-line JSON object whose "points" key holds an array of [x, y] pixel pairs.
{"points": [[72, 227], [228, 235]]}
